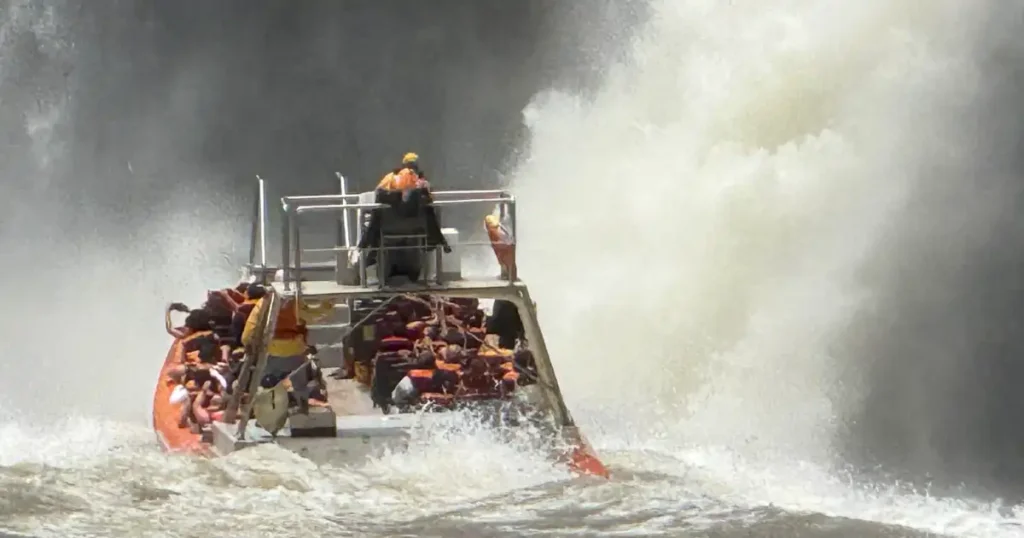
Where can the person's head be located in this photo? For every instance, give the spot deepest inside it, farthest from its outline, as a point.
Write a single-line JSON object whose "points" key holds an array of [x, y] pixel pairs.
{"points": [[208, 352], [198, 320], [217, 305], [255, 291], [411, 161]]}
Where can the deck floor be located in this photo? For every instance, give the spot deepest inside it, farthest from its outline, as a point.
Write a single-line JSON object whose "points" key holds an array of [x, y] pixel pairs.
{"points": [[348, 396]]}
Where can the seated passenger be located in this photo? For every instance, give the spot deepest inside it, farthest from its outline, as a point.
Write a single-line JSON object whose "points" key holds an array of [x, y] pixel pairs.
{"points": [[417, 383], [197, 338], [221, 308], [180, 394], [407, 191], [478, 379], [208, 404], [506, 323], [253, 293], [287, 349], [317, 386]]}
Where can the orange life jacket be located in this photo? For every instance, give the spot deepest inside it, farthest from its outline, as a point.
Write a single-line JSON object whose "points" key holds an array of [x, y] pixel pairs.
{"points": [[432, 381], [502, 245], [402, 180]]}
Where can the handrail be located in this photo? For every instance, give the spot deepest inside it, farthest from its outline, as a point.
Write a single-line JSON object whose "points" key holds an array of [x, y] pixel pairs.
{"points": [[258, 234], [295, 207], [438, 195], [373, 205], [346, 232], [258, 353]]}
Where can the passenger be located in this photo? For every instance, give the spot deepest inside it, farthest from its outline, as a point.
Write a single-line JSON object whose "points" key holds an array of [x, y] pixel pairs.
{"points": [[221, 307], [180, 394], [418, 383], [198, 341], [506, 323], [208, 404], [176, 332], [317, 386], [287, 350], [253, 293], [407, 191], [477, 379], [237, 294]]}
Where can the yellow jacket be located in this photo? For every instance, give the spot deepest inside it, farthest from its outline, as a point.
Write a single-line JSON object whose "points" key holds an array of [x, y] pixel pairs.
{"points": [[295, 345]]}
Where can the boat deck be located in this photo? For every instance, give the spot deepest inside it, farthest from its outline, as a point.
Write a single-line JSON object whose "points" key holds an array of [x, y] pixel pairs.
{"points": [[348, 396], [355, 418], [327, 289]]}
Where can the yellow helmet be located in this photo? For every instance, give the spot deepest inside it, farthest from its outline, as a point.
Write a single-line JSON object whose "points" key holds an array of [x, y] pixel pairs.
{"points": [[410, 158]]}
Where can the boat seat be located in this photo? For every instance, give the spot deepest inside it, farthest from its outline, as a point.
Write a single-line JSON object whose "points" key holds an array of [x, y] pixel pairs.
{"points": [[409, 234]]}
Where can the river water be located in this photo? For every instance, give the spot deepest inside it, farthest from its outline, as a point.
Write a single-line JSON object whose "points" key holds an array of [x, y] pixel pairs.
{"points": [[706, 230]]}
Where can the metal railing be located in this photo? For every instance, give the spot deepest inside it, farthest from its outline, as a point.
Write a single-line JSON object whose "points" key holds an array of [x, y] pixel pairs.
{"points": [[258, 237], [255, 362], [351, 210]]}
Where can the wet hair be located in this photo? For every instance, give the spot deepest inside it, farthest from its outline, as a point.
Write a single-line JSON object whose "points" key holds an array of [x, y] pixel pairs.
{"points": [[199, 320], [208, 351], [255, 291]]}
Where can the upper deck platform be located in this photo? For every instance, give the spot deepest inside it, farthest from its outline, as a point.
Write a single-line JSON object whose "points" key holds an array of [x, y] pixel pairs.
{"points": [[402, 239], [326, 289]]}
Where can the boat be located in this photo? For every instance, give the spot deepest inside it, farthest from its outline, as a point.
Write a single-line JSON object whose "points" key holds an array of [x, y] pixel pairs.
{"points": [[372, 403]]}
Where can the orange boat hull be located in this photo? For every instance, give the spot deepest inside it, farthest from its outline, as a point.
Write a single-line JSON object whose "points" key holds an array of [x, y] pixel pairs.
{"points": [[583, 460], [166, 415]]}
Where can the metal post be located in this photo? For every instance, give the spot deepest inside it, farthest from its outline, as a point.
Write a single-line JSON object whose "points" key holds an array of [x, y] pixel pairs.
{"points": [[298, 256], [345, 213], [362, 268], [438, 261], [381, 272], [255, 223], [286, 253], [263, 221], [512, 221], [514, 237], [422, 246]]}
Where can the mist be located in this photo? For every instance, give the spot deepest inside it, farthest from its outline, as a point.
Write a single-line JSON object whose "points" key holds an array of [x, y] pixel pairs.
{"points": [[808, 253], [941, 350], [135, 131], [871, 319]]}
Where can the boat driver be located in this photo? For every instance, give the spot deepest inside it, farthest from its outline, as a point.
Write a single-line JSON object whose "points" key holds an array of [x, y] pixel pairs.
{"points": [[406, 190]]}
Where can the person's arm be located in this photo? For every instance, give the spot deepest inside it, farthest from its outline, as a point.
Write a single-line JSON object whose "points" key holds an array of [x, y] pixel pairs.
{"points": [[251, 322], [226, 298], [175, 332], [235, 295]]}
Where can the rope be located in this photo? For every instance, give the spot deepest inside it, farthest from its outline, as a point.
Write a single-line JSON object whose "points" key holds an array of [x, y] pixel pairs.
{"points": [[458, 324]]}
